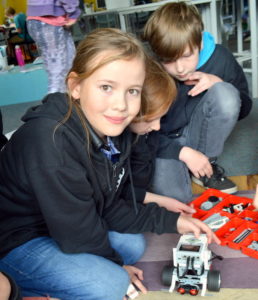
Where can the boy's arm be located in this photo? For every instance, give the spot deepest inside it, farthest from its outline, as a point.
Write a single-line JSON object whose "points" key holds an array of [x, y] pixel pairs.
{"points": [[196, 161], [170, 204]]}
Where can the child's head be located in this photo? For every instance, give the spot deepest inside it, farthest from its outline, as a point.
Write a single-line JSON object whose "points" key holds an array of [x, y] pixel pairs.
{"points": [[174, 31], [10, 12], [106, 80], [172, 28], [158, 93]]}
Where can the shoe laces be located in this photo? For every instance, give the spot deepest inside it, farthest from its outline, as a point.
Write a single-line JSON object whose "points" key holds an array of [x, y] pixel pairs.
{"points": [[218, 172]]}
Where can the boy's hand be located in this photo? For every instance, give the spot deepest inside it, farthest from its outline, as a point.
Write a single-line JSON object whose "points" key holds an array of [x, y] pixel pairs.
{"points": [[169, 203], [186, 224], [201, 81], [255, 202], [196, 161]]}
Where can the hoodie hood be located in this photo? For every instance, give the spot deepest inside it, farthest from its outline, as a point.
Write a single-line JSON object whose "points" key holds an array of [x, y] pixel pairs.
{"points": [[55, 107]]}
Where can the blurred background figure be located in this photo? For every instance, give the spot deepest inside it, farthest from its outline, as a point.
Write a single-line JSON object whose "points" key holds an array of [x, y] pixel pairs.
{"points": [[49, 25], [18, 33]]}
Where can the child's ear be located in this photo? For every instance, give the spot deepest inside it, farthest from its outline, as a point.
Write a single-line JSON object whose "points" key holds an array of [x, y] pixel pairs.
{"points": [[74, 85]]}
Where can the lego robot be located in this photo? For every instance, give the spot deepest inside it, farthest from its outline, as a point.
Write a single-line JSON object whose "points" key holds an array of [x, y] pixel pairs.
{"points": [[191, 271]]}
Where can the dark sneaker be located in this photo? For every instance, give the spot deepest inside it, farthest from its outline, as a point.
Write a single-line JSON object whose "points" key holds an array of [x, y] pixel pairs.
{"points": [[217, 181]]}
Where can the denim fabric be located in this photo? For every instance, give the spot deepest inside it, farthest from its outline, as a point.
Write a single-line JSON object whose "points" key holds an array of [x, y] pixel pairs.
{"points": [[211, 123], [40, 269], [57, 49]]}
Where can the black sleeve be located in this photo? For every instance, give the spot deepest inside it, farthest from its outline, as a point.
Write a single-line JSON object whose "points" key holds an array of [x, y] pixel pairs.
{"points": [[142, 159], [169, 148], [150, 218]]}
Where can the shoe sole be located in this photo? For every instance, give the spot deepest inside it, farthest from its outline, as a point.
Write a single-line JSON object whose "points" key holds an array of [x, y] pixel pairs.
{"points": [[232, 190]]}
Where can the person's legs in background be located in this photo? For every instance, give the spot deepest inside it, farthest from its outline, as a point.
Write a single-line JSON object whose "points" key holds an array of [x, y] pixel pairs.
{"points": [[172, 179], [57, 49], [211, 123]]}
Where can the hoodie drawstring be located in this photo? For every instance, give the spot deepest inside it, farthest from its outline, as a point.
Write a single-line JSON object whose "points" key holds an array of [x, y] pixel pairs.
{"points": [[132, 188]]}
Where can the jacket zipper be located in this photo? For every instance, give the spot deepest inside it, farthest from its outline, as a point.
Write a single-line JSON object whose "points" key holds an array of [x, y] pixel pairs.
{"points": [[114, 170]]}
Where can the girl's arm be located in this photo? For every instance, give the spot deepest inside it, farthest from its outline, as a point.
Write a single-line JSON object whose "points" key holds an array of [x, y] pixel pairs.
{"points": [[71, 8]]}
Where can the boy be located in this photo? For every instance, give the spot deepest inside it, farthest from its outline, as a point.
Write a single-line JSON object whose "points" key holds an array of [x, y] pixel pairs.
{"points": [[212, 96]]}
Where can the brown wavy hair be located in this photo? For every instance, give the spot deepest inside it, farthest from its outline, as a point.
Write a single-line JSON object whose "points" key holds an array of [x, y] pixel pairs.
{"points": [[158, 94], [173, 27]]}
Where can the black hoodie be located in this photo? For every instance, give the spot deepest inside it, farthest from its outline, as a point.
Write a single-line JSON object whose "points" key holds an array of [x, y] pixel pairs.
{"points": [[3, 139], [53, 183]]}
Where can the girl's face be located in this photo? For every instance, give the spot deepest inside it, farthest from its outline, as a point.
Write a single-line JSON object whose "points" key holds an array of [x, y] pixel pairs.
{"points": [[111, 97], [145, 126]]}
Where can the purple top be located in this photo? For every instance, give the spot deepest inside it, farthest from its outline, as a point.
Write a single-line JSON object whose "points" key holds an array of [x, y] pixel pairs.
{"points": [[40, 8]]}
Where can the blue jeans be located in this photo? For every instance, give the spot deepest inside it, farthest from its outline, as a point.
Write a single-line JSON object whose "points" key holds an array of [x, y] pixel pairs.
{"points": [[40, 269], [210, 125]]}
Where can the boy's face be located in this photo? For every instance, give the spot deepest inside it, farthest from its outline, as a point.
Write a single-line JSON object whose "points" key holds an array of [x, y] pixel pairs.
{"points": [[145, 126], [184, 65]]}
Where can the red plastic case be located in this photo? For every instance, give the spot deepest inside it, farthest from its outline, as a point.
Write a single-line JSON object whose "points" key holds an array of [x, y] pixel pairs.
{"points": [[240, 231]]}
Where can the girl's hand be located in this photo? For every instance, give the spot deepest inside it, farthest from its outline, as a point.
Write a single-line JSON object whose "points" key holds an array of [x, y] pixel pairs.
{"points": [[255, 202], [186, 224], [70, 22], [136, 276], [196, 161], [201, 81]]}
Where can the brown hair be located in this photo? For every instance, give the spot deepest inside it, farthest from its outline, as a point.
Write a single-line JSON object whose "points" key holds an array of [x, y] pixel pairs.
{"points": [[10, 11], [172, 28], [159, 92]]}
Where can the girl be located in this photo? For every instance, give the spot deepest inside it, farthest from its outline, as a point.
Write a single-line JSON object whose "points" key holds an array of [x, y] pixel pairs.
{"points": [[64, 229]]}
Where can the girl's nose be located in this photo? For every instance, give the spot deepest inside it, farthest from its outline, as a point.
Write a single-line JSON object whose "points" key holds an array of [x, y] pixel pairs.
{"points": [[119, 102]]}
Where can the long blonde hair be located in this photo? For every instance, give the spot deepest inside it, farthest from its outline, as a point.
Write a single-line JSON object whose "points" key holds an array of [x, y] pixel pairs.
{"points": [[121, 45]]}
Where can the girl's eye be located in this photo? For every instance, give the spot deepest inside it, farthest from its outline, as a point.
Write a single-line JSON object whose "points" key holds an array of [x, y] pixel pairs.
{"points": [[134, 92], [106, 88]]}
